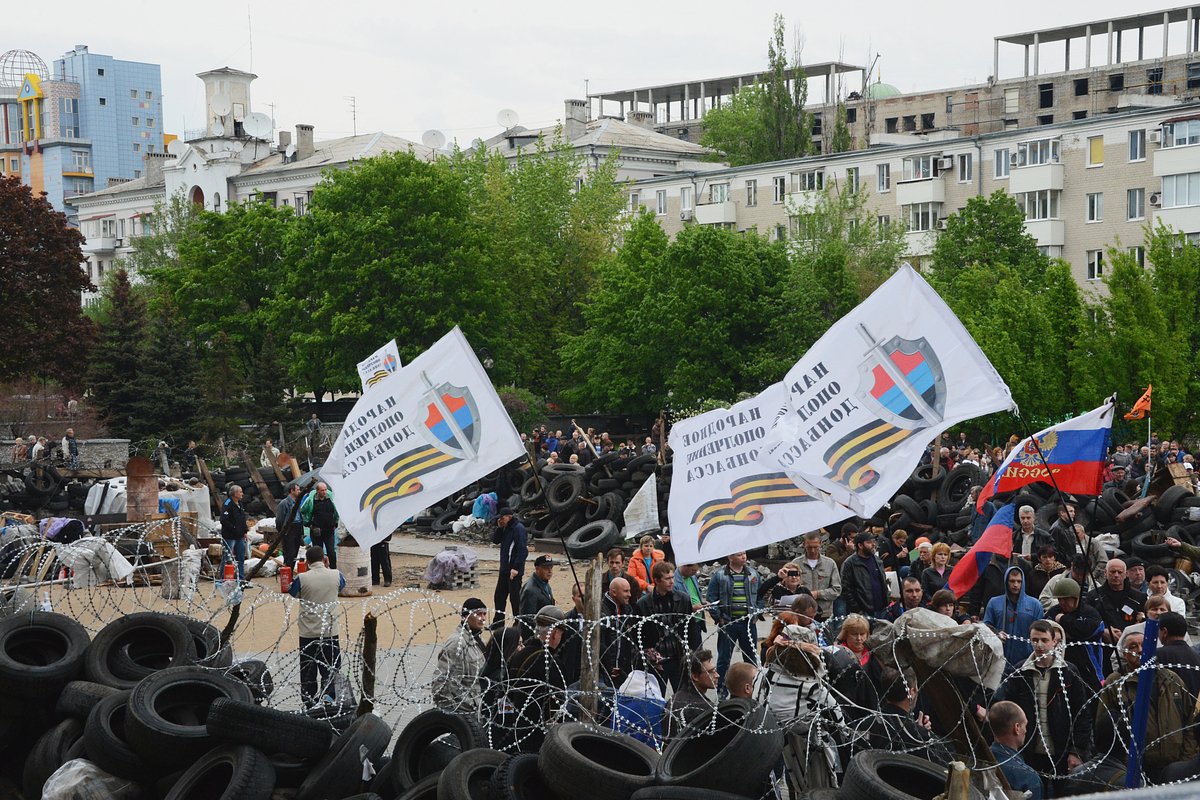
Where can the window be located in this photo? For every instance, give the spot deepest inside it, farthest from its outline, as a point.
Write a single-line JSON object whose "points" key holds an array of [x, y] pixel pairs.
{"points": [[685, 198], [99, 270], [949, 104], [780, 233], [1137, 145], [910, 123], [136, 122], [302, 200], [1095, 265], [100, 71], [149, 94], [635, 200], [103, 101], [1039, 151], [1078, 115], [1181, 190], [1095, 151], [1135, 204], [718, 193], [1154, 80], [816, 125], [133, 93], [1095, 207], [149, 148], [81, 159], [660, 201], [68, 118], [1193, 75], [137, 148], [1050, 250], [780, 185], [1046, 119], [809, 181], [751, 194], [1081, 87], [883, 220], [1116, 82], [851, 116], [966, 167], [1179, 134], [919, 167], [149, 122], [137, 173], [1045, 95], [889, 124], [1139, 255], [1012, 101], [852, 182], [14, 165], [883, 177], [1040, 205], [923, 216], [1000, 163], [927, 123]]}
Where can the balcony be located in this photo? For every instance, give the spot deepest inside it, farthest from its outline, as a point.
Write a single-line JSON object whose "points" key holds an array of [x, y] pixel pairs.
{"points": [[1048, 232], [77, 171], [920, 243], [101, 245], [1035, 178], [716, 213], [1184, 219], [1176, 160], [805, 202], [920, 190]]}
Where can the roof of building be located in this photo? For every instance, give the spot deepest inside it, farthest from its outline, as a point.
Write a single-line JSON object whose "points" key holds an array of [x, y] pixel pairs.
{"points": [[339, 151], [135, 185], [728, 84], [613, 132], [1100, 26]]}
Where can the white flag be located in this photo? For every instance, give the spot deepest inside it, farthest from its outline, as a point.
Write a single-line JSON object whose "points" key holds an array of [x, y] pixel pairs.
{"points": [[870, 395], [641, 515], [428, 430], [722, 498], [380, 364]]}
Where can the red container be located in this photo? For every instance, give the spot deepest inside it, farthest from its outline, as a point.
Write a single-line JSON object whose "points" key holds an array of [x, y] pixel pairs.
{"points": [[230, 572], [301, 567], [285, 578]]}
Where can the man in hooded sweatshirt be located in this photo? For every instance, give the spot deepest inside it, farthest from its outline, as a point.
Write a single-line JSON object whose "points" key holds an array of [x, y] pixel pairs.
{"points": [[1010, 616]]}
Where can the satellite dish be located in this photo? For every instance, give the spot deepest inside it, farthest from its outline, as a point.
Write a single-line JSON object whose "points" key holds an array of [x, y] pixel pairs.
{"points": [[507, 118], [177, 147], [477, 144], [217, 128], [289, 151], [433, 139], [221, 104], [258, 125]]}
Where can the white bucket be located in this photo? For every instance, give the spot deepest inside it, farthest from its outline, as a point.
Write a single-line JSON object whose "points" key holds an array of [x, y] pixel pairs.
{"points": [[355, 564]]}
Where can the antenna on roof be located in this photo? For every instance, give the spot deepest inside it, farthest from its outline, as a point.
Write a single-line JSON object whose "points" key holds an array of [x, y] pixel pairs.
{"points": [[507, 119], [353, 112], [433, 139], [258, 125]]}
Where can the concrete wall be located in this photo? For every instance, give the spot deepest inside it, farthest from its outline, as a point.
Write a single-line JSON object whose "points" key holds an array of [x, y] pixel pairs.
{"points": [[109, 453]]}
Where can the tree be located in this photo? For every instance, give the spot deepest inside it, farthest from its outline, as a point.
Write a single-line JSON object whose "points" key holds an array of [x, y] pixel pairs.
{"points": [[224, 389], [43, 331], [168, 397], [840, 142], [675, 322], [115, 365], [765, 122], [170, 225], [387, 249], [1175, 279]]}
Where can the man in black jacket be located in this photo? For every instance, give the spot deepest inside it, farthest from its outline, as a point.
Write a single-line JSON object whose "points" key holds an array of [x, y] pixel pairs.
{"points": [[864, 587], [1059, 737], [514, 549], [1175, 653], [618, 638], [1119, 604], [537, 687], [897, 728], [233, 529], [669, 631]]}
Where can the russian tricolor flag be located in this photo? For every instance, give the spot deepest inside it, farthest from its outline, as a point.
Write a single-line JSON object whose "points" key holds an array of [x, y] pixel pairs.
{"points": [[996, 538], [1075, 450]]}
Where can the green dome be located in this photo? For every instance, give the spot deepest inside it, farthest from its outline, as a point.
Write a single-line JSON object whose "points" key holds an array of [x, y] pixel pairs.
{"points": [[880, 90]]}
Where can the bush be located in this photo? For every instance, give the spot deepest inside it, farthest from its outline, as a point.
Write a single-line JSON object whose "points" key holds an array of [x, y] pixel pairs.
{"points": [[525, 408]]}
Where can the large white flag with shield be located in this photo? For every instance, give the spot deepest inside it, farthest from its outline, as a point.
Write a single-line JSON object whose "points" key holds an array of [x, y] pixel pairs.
{"points": [[426, 431]]}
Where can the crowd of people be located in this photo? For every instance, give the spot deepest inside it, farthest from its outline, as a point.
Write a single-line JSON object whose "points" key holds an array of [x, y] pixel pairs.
{"points": [[1070, 621], [583, 446]]}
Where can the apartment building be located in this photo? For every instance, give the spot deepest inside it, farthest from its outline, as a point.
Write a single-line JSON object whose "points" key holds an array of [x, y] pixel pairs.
{"points": [[1084, 185]]}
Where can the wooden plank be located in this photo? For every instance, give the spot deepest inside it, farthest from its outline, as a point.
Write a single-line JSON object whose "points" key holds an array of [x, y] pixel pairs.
{"points": [[263, 491], [278, 464], [589, 668], [141, 490], [214, 496]]}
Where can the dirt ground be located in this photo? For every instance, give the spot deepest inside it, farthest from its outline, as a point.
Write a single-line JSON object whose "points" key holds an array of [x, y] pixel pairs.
{"points": [[408, 613]]}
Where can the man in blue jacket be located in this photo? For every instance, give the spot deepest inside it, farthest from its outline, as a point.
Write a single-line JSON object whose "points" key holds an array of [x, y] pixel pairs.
{"points": [[734, 591], [1010, 616], [514, 549]]}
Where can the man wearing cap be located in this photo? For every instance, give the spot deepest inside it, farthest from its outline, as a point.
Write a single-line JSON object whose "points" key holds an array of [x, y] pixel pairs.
{"points": [[864, 587], [537, 687], [514, 549], [1135, 571], [1082, 627], [537, 592], [459, 662], [1118, 479], [819, 574]]}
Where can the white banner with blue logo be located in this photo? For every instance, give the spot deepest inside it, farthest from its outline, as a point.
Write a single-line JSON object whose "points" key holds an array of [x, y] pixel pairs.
{"points": [[380, 364], [430, 429], [867, 399]]}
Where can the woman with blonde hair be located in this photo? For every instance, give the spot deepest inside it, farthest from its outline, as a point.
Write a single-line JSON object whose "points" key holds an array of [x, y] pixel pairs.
{"points": [[936, 577]]}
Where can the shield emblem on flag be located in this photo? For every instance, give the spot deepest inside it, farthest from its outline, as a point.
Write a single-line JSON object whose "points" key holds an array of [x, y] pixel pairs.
{"points": [[389, 362], [451, 421], [901, 382]]}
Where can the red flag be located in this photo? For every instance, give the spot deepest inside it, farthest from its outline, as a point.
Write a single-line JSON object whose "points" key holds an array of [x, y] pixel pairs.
{"points": [[1142, 407], [996, 539]]}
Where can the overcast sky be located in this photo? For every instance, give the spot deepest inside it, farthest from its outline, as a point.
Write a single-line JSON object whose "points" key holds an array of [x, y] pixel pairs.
{"points": [[453, 66]]}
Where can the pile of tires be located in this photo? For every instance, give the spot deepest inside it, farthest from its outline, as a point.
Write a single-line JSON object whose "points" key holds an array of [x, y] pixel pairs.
{"points": [[935, 504], [240, 476]]}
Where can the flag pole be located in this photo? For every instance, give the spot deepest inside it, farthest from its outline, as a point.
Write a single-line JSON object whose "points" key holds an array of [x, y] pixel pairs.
{"points": [[1150, 464]]}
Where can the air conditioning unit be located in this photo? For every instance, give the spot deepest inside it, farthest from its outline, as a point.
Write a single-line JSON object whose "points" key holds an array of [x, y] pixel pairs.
{"points": [[1156, 199], [946, 163], [941, 224], [1013, 160], [686, 215], [1154, 135], [118, 242]]}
